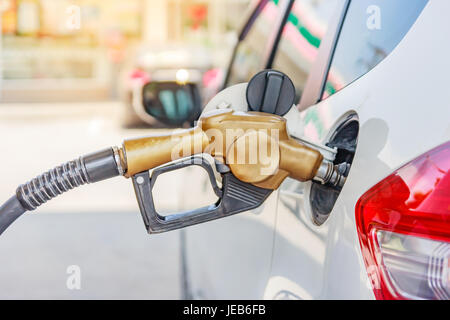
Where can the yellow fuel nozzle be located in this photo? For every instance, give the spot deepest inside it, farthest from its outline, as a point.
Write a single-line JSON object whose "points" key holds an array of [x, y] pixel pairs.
{"points": [[255, 145], [255, 149]]}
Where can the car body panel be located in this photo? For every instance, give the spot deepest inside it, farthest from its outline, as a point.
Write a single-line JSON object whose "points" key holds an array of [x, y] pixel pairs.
{"points": [[403, 107]]}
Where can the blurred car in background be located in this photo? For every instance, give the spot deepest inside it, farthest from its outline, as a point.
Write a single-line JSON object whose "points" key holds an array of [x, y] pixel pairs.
{"points": [[191, 66]]}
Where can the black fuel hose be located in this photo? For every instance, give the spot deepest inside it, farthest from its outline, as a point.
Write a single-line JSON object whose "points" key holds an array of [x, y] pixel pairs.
{"points": [[90, 168], [9, 212]]}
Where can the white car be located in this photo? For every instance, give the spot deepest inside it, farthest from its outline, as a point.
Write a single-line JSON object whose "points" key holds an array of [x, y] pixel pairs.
{"points": [[371, 80]]}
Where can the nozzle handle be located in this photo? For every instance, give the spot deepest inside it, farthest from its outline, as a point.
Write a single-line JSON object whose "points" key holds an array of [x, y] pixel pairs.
{"points": [[234, 197]]}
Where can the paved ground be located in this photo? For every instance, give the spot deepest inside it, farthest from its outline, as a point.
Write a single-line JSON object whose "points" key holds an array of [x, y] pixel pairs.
{"points": [[97, 228]]}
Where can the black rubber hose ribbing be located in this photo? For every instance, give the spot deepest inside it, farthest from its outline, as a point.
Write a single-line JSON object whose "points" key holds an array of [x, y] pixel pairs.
{"points": [[90, 168], [52, 183], [9, 212]]}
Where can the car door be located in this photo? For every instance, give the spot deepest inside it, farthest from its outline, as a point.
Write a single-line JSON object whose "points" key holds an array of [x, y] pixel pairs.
{"points": [[356, 99], [231, 258]]}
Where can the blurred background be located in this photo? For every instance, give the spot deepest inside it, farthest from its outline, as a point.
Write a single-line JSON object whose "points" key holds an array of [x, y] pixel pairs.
{"points": [[70, 72]]}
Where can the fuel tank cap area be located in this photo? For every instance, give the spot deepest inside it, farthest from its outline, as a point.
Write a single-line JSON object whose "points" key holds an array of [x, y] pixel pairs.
{"points": [[270, 91], [344, 138]]}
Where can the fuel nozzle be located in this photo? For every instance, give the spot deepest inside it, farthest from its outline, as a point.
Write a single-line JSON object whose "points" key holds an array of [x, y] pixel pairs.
{"points": [[329, 173], [255, 145], [254, 149]]}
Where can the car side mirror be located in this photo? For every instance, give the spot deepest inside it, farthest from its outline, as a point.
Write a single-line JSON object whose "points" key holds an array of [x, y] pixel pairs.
{"points": [[174, 104]]}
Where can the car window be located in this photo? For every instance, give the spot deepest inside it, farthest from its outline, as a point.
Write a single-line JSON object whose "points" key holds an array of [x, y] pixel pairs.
{"points": [[371, 30], [300, 40], [251, 51]]}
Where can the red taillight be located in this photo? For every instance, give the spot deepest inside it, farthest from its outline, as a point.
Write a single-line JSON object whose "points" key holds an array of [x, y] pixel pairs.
{"points": [[139, 76], [212, 78], [404, 229]]}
